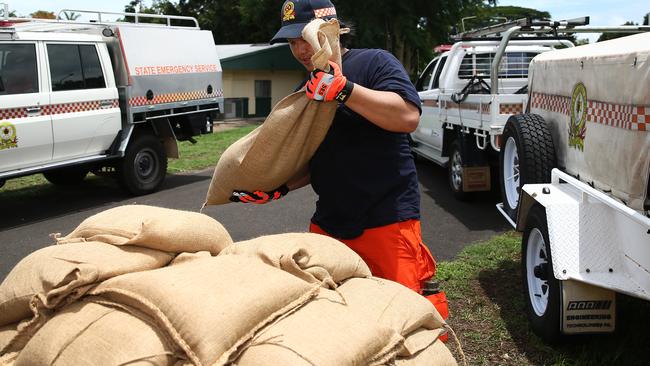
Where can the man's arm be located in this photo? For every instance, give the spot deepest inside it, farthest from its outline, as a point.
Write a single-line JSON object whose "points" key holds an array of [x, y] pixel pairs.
{"points": [[387, 110]]}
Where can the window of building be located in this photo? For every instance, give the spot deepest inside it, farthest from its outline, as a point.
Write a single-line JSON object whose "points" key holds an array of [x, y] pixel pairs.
{"points": [[262, 88], [18, 69], [74, 67]]}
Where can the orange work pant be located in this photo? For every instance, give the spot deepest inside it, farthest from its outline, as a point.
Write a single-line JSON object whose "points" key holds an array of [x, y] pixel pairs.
{"points": [[394, 252]]}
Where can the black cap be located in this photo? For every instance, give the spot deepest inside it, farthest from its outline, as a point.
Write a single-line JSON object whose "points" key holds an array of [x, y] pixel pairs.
{"points": [[296, 14]]}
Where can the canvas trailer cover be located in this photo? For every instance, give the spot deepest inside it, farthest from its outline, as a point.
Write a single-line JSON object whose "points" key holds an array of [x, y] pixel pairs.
{"points": [[597, 105]]}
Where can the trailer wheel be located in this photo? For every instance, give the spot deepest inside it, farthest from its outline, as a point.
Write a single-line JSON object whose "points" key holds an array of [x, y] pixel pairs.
{"points": [[69, 176], [541, 288], [527, 156], [143, 168], [455, 172]]}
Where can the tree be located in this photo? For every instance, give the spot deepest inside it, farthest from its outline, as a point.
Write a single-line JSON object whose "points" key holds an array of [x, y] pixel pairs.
{"points": [[43, 14], [646, 19], [489, 15]]}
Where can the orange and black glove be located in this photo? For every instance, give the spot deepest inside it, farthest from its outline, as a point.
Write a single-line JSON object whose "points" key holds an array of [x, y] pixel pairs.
{"points": [[326, 86], [259, 197]]}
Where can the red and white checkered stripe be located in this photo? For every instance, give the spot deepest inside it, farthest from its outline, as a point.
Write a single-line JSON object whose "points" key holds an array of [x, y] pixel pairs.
{"points": [[636, 118], [324, 12], [511, 109], [553, 103], [46, 110], [11, 113], [476, 107], [174, 97]]}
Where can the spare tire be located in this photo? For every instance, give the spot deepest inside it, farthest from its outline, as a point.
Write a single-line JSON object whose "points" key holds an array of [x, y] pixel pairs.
{"points": [[527, 156]]}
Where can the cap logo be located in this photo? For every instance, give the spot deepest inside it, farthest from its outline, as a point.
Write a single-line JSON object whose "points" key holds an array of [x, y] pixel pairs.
{"points": [[289, 12], [324, 12]]}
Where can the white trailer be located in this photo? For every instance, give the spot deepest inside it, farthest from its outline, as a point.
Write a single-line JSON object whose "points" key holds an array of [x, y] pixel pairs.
{"points": [[103, 96], [576, 168]]}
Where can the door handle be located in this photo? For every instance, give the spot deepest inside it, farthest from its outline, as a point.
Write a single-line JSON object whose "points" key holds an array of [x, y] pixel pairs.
{"points": [[33, 110], [106, 103]]}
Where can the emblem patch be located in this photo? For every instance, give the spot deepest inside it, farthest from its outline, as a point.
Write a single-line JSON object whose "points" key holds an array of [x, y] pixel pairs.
{"points": [[578, 125], [289, 12], [8, 138]]}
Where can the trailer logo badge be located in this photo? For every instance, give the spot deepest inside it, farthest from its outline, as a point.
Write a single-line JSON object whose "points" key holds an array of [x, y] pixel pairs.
{"points": [[289, 12], [578, 126], [8, 138]]}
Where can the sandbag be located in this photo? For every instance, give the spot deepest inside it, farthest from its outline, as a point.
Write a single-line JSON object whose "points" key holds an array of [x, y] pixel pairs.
{"points": [[437, 354], [55, 275], [312, 257], [88, 333], [158, 228], [397, 307], [281, 147], [7, 333], [323, 332], [210, 307]]}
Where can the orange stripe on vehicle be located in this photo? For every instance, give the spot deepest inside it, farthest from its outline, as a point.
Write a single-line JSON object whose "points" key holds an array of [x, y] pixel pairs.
{"points": [[174, 97], [53, 109]]}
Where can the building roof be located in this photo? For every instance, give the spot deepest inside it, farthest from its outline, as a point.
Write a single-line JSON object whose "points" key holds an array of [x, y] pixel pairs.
{"points": [[257, 57]]}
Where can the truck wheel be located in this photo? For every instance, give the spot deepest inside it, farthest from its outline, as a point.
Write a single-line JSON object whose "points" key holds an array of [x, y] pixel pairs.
{"points": [[144, 165], [541, 288], [66, 176], [527, 156], [455, 172]]}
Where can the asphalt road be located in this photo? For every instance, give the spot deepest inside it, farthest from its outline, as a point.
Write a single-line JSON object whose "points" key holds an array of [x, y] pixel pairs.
{"points": [[26, 221]]}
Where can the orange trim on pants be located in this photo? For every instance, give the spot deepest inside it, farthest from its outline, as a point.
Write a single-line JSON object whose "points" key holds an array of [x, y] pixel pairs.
{"points": [[394, 252]]}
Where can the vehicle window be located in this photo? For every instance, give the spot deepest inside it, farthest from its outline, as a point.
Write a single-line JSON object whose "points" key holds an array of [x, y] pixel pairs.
{"points": [[513, 65], [18, 70], [423, 82], [436, 79], [74, 67], [92, 68]]}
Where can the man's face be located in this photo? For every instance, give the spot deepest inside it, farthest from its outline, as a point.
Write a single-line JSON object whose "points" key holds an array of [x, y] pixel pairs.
{"points": [[302, 51]]}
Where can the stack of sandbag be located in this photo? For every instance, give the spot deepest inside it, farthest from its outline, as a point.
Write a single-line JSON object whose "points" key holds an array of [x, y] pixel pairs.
{"points": [[281, 147], [288, 299]]}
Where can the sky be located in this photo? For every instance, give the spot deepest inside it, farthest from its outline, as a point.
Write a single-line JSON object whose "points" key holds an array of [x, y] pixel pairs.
{"points": [[602, 12]]}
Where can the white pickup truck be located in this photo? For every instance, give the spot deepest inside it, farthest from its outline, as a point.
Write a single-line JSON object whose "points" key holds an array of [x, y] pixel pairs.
{"points": [[103, 96], [468, 93]]}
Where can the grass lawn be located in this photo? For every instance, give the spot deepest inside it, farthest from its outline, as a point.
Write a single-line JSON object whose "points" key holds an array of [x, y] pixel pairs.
{"points": [[203, 154], [484, 287]]}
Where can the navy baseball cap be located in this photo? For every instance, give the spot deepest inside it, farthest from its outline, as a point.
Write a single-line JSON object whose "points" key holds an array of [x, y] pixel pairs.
{"points": [[296, 14]]}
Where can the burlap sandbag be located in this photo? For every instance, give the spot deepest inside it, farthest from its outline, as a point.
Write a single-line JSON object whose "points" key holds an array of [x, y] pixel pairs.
{"points": [[210, 307], [158, 228], [7, 333], [437, 354], [280, 148], [87, 333], [396, 307], [312, 257], [53, 276], [324, 332]]}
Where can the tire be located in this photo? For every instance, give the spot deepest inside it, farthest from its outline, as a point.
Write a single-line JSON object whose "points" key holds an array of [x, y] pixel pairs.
{"points": [[527, 156], [70, 176], [144, 166], [541, 288], [455, 172]]}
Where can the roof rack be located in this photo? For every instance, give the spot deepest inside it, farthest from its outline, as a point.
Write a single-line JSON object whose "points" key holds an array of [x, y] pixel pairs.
{"points": [[548, 29], [53, 25]]}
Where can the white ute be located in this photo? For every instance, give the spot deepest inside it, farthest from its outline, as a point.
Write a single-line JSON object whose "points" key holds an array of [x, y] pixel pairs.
{"points": [[103, 96]]}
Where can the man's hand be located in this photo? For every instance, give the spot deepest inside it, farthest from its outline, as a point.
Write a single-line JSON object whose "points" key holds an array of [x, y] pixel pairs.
{"points": [[328, 86], [259, 197]]}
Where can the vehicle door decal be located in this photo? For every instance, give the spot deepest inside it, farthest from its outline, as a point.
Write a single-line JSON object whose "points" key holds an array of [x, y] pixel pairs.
{"points": [[8, 136], [21, 112]]}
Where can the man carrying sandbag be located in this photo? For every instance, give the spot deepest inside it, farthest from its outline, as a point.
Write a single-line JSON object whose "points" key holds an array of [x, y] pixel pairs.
{"points": [[363, 172]]}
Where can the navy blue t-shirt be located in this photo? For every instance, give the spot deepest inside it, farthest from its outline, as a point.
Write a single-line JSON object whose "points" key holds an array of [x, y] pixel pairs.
{"points": [[365, 176]]}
